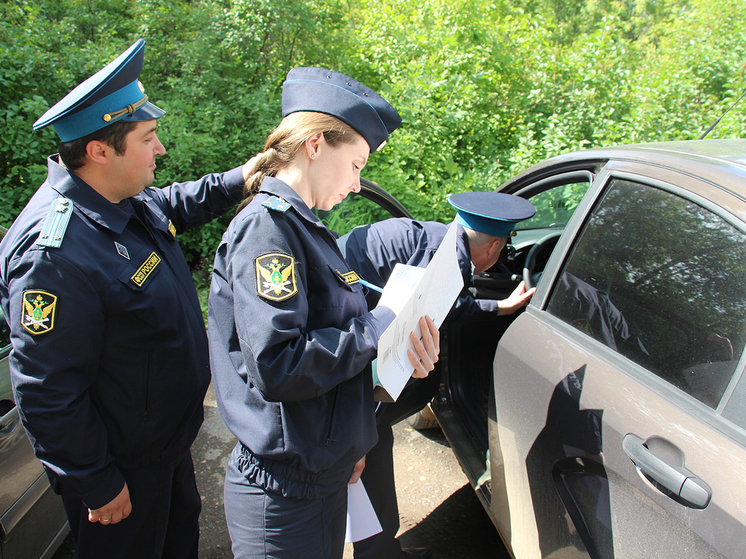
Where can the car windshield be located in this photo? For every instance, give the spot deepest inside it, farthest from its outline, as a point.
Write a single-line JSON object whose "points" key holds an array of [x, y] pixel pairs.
{"points": [[554, 207]]}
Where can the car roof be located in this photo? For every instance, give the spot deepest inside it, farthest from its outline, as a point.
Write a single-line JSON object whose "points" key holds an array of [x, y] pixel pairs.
{"points": [[722, 162]]}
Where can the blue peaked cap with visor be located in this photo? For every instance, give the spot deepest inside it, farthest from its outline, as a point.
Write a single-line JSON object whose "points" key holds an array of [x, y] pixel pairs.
{"points": [[324, 91], [110, 95], [492, 213]]}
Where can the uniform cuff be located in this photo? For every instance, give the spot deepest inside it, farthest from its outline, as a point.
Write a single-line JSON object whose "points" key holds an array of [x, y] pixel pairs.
{"points": [[380, 318], [105, 492], [235, 183]]}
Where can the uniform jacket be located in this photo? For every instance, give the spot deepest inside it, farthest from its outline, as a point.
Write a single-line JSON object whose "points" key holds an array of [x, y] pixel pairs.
{"points": [[110, 359], [290, 356], [374, 250]]}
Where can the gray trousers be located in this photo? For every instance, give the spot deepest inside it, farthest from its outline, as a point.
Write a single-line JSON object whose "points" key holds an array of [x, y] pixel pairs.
{"points": [[268, 525]]}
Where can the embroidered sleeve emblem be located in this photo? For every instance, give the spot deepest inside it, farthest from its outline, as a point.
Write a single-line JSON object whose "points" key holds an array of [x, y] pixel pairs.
{"points": [[275, 276], [38, 311]]}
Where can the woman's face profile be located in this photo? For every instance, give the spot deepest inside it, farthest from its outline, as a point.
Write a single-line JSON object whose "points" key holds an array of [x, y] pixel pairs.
{"points": [[335, 171]]}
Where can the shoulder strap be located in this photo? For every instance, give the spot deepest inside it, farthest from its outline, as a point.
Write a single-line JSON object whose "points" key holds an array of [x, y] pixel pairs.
{"points": [[56, 223], [277, 204]]}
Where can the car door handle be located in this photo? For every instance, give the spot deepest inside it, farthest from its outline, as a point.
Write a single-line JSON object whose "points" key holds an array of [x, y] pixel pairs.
{"points": [[678, 482], [9, 421]]}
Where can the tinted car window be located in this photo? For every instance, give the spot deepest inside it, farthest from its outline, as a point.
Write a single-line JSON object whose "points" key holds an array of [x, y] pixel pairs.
{"points": [[660, 279]]}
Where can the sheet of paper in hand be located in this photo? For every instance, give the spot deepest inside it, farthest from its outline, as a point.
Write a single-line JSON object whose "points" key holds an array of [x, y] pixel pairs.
{"points": [[410, 297]]}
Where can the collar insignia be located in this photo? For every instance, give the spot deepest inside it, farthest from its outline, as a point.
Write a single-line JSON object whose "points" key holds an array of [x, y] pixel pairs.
{"points": [[275, 276], [171, 229], [38, 311]]}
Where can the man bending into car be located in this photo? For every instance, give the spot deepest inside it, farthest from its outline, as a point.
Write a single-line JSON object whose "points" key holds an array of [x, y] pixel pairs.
{"points": [[485, 221]]}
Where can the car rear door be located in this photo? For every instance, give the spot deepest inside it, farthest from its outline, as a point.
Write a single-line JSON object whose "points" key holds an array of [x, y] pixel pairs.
{"points": [[32, 519], [619, 428]]}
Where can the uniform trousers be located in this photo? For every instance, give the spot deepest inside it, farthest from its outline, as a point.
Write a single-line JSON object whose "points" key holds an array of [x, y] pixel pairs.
{"points": [[164, 523], [263, 524]]}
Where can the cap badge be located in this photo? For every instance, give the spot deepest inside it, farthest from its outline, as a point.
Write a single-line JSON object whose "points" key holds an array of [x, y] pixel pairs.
{"points": [[275, 276]]}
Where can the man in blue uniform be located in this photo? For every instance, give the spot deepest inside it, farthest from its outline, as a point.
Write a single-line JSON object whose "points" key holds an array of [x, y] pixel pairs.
{"points": [[486, 221], [109, 361]]}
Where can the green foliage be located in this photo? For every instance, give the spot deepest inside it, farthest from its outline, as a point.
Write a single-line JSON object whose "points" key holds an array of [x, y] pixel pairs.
{"points": [[554, 207], [485, 89]]}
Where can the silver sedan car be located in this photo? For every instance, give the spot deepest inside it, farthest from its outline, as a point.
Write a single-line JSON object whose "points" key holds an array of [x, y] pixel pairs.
{"points": [[608, 419]]}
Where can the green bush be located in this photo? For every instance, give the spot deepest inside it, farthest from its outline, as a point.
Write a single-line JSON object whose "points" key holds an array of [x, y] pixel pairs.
{"points": [[485, 89]]}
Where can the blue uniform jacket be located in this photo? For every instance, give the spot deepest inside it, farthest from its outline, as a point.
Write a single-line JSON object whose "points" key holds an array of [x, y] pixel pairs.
{"points": [[290, 357], [374, 250], [110, 358]]}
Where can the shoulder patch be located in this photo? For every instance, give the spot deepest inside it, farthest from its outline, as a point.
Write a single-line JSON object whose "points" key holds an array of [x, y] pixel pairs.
{"points": [[53, 230], [275, 276], [276, 203], [39, 307]]}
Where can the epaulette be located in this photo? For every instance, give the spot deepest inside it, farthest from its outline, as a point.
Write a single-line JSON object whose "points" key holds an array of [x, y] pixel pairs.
{"points": [[56, 223], [276, 203]]}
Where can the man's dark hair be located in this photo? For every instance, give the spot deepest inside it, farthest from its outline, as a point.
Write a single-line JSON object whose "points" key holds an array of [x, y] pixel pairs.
{"points": [[73, 152]]}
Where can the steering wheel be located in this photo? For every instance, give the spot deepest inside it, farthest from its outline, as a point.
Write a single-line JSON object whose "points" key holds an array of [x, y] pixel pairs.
{"points": [[529, 278]]}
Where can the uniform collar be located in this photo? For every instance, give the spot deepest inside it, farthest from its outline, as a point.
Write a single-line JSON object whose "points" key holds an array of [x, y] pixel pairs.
{"points": [[276, 187], [85, 198]]}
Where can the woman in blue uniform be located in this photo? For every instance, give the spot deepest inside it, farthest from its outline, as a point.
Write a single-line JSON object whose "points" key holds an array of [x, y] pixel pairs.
{"points": [[291, 339]]}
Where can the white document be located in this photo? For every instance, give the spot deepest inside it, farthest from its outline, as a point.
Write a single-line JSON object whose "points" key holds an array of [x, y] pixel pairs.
{"points": [[433, 295], [362, 521], [400, 286]]}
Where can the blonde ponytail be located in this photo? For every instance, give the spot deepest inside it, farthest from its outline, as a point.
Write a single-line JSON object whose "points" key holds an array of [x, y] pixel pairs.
{"points": [[285, 141]]}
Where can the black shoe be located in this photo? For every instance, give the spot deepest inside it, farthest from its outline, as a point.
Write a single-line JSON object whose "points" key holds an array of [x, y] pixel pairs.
{"points": [[416, 553]]}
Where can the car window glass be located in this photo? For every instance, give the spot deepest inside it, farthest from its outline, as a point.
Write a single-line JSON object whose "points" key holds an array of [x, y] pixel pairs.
{"points": [[554, 207], [353, 211], [660, 280]]}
